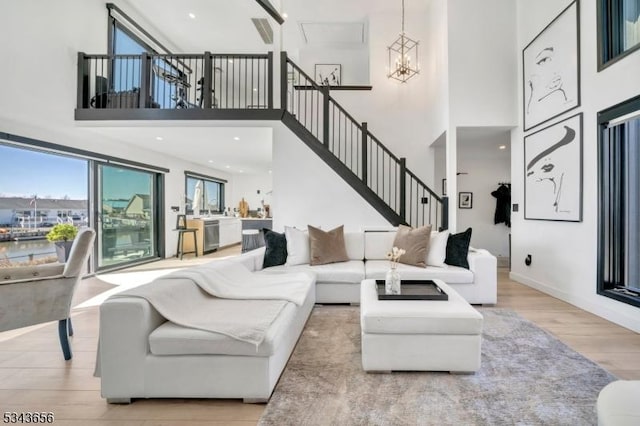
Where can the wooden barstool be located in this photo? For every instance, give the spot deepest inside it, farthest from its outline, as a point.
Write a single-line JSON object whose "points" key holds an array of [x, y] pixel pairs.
{"points": [[180, 250]]}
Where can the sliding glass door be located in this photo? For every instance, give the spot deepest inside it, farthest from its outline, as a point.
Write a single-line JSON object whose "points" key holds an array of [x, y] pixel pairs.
{"points": [[128, 216]]}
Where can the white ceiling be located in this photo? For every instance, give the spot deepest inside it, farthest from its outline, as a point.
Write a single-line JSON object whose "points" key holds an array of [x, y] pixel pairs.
{"points": [[214, 147], [333, 33]]}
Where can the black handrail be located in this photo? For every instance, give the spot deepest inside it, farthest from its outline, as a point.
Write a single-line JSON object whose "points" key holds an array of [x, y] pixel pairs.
{"points": [[176, 81]]}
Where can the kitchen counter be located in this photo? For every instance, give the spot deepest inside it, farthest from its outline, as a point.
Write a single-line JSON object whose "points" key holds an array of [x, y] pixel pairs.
{"points": [[256, 223]]}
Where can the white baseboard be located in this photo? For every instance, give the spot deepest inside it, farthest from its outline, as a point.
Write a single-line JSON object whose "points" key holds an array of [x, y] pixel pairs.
{"points": [[610, 314]]}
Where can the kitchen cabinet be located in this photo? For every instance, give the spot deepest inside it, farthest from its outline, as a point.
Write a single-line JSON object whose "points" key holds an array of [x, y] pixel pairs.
{"points": [[230, 231]]}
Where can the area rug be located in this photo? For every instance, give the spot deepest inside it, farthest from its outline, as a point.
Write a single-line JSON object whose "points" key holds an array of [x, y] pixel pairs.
{"points": [[527, 377]]}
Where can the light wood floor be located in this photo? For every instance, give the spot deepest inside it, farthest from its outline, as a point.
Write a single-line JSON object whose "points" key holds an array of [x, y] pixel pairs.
{"points": [[34, 376]]}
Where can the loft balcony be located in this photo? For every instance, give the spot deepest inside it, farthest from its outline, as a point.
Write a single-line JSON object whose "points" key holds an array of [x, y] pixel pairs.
{"points": [[176, 87]]}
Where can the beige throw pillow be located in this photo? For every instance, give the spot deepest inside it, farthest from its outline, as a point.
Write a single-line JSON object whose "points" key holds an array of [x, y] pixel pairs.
{"points": [[327, 247], [415, 241]]}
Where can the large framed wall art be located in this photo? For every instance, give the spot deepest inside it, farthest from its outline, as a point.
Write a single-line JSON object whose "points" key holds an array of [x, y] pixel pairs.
{"points": [[551, 69], [553, 172]]}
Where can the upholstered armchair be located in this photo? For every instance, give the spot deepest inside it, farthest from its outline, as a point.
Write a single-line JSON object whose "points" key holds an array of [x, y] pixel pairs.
{"points": [[42, 293]]}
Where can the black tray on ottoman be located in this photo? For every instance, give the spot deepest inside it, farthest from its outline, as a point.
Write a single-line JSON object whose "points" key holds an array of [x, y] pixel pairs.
{"points": [[413, 290]]}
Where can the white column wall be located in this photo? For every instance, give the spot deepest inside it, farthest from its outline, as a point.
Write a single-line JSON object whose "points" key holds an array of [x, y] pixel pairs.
{"points": [[565, 253], [482, 66]]}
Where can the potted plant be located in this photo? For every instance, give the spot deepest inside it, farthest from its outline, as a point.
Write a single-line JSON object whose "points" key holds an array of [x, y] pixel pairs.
{"points": [[62, 236]]}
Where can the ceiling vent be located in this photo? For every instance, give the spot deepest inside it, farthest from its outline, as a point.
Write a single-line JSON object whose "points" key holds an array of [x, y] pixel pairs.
{"points": [[352, 33], [264, 29]]}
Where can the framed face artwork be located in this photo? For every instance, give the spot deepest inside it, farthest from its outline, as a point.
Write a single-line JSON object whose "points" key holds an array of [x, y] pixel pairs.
{"points": [[553, 172], [551, 69]]}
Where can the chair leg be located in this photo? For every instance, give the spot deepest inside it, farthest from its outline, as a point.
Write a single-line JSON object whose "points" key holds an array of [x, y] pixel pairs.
{"points": [[64, 339], [70, 326]]}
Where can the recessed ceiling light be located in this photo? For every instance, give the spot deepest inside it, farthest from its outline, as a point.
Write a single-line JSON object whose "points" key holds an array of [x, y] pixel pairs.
{"points": [[502, 147], [211, 161], [285, 15], [255, 89], [235, 138], [230, 61], [269, 171], [158, 138], [228, 167], [241, 171], [192, 15]]}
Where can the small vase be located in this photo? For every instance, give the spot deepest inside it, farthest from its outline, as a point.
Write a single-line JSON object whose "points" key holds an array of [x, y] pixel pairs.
{"points": [[392, 282]]}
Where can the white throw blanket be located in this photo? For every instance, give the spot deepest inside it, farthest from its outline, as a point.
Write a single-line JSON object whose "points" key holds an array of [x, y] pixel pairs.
{"points": [[224, 297], [232, 280]]}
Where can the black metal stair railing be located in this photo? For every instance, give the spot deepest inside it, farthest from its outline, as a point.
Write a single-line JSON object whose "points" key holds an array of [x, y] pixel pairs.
{"points": [[176, 81], [366, 161]]}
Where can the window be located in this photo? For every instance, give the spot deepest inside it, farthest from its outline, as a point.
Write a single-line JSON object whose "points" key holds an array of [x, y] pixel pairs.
{"points": [[33, 186], [126, 67], [618, 30], [129, 41], [619, 203], [205, 195]]}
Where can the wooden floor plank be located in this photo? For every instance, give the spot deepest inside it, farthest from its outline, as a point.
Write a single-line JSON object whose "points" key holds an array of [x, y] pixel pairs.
{"points": [[34, 377]]}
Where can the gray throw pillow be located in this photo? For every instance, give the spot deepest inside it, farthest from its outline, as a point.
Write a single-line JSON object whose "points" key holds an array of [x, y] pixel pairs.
{"points": [[415, 241]]}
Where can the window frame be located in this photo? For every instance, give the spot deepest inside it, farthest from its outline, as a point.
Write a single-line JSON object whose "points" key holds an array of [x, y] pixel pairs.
{"points": [[198, 176], [609, 35], [604, 288]]}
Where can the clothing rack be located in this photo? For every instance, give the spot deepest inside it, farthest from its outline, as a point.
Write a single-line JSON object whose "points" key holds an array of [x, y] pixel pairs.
{"points": [[504, 183]]}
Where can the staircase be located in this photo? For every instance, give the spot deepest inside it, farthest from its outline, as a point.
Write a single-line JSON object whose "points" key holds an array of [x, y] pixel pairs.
{"points": [[355, 154]]}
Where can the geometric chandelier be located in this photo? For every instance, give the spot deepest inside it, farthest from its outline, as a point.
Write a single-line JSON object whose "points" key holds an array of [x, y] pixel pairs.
{"points": [[403, 56]]}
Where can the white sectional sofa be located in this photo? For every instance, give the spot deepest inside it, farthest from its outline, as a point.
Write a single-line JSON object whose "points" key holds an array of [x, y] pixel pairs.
{"points": [[143, 355], [340, 282]]}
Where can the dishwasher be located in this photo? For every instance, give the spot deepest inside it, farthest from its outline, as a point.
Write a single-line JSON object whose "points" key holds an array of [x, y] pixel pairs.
{"points": [[211, 240]]}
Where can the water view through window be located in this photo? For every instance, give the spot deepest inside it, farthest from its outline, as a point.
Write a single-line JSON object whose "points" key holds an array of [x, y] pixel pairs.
{"points": [[127, 218], [38, 191]]}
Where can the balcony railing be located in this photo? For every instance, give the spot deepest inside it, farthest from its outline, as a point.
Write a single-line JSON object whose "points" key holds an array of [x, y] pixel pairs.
{"points": [[185, 81]]}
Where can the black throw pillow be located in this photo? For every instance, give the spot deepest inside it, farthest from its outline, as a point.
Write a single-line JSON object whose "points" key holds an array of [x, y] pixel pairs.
{"points": [[276, 248], [458, 249]]}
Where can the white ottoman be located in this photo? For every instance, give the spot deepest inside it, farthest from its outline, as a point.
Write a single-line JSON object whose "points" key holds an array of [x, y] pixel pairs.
{"points": [[618, 404], [419, 335]]}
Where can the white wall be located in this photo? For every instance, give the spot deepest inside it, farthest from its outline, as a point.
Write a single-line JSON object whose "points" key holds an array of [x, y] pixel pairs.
{"points": [[247, 186], [354, 61], [486, 165], [308, 192], [39, 101], [565, 253]]}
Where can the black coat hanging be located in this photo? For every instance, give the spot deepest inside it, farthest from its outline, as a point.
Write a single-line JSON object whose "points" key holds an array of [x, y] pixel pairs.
{"points": [[503, 205]]}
